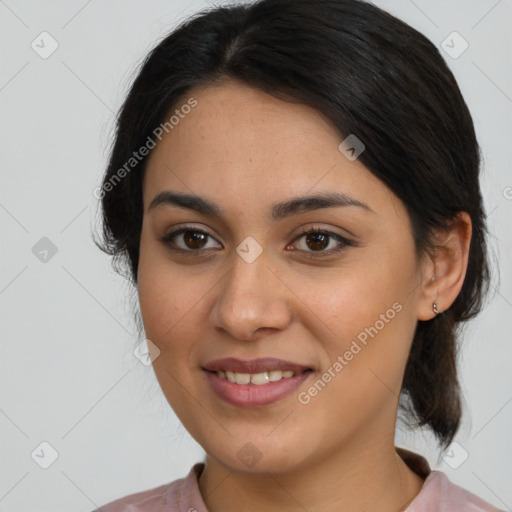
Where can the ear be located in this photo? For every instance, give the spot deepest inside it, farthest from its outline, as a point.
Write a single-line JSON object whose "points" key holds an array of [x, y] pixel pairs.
{"points": [[446, 269]]}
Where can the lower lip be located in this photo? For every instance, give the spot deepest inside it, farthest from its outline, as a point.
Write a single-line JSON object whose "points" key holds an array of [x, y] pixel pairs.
{"points": [[253, 395]]}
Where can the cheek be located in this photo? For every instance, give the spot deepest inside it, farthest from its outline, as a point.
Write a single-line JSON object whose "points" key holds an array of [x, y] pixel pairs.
{"points": [[363, 369], [369, 311], [168, 300], [354, 298], [169, 306]]}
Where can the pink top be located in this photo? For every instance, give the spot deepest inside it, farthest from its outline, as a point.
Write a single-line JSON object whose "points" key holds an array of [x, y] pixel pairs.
{"points": [[183, 495]]}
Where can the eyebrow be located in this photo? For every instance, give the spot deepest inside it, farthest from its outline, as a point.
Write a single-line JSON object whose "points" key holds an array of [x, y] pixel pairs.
{"points": [[278, 211]]}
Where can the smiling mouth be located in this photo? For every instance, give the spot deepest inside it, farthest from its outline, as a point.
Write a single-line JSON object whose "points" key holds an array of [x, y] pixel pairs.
{"points": [[257, 379], [259, 387]]}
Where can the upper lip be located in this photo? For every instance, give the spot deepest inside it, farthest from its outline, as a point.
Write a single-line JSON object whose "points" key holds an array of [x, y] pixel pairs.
{"points": [[265, 364]]}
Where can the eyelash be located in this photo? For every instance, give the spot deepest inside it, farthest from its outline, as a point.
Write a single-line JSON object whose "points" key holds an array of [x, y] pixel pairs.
{"points": [[342, 242]]}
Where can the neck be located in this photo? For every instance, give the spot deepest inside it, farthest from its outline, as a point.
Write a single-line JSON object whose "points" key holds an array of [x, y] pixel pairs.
{"points": [[373, 478]]}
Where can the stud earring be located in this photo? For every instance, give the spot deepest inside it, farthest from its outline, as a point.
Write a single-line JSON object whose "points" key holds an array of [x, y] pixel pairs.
{"points": [[434, 307]]}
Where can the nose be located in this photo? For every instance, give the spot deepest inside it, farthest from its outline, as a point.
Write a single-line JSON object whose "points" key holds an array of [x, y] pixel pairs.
{"points": [[251, 299]]}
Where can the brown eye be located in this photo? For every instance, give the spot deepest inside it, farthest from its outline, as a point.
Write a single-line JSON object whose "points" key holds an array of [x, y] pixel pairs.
{"points": [[189, 240], [317, 241], [194, 239]]}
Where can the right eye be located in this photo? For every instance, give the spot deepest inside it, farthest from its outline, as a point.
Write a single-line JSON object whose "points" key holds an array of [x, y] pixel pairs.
{"points": [[192, 240]]}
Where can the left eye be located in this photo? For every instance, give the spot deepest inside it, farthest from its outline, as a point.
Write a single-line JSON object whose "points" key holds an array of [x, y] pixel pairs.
{"points": [[318, 240]]}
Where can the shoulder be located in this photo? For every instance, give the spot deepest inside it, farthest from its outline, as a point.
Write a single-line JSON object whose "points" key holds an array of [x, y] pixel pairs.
{"points": [[164, 498], [439, 493], [151, 500]]}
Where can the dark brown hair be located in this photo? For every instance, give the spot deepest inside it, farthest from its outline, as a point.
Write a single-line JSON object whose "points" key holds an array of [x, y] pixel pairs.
{"points": [[371, 75]]}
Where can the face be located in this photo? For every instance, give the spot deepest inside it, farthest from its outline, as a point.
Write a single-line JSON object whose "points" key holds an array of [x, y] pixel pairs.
{"points": [[248, 279]]}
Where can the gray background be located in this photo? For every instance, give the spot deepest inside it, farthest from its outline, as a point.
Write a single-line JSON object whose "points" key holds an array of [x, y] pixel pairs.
{"points": [[68, 374]]}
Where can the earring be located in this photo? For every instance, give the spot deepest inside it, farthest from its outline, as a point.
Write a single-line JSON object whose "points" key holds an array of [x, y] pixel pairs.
{"points": [[434, 307]]}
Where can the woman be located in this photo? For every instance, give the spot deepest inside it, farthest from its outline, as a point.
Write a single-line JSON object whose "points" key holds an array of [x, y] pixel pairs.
{"points": [[294, 192]]}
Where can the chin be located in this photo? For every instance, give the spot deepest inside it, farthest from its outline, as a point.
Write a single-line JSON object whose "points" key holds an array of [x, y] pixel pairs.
{"points": [[259, 456]]}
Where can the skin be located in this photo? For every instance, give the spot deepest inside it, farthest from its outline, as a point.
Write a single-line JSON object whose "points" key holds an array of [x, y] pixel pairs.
{"points": [[246, 150]]}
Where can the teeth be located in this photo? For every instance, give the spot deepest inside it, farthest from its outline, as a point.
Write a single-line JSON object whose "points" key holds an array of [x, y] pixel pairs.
{"points": [[275, 375], [259, 378], [255, 378], [242, 378]]}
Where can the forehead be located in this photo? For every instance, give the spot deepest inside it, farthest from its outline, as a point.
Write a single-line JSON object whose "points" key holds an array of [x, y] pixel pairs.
{"points": [[241, 145], [236, 125]]}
